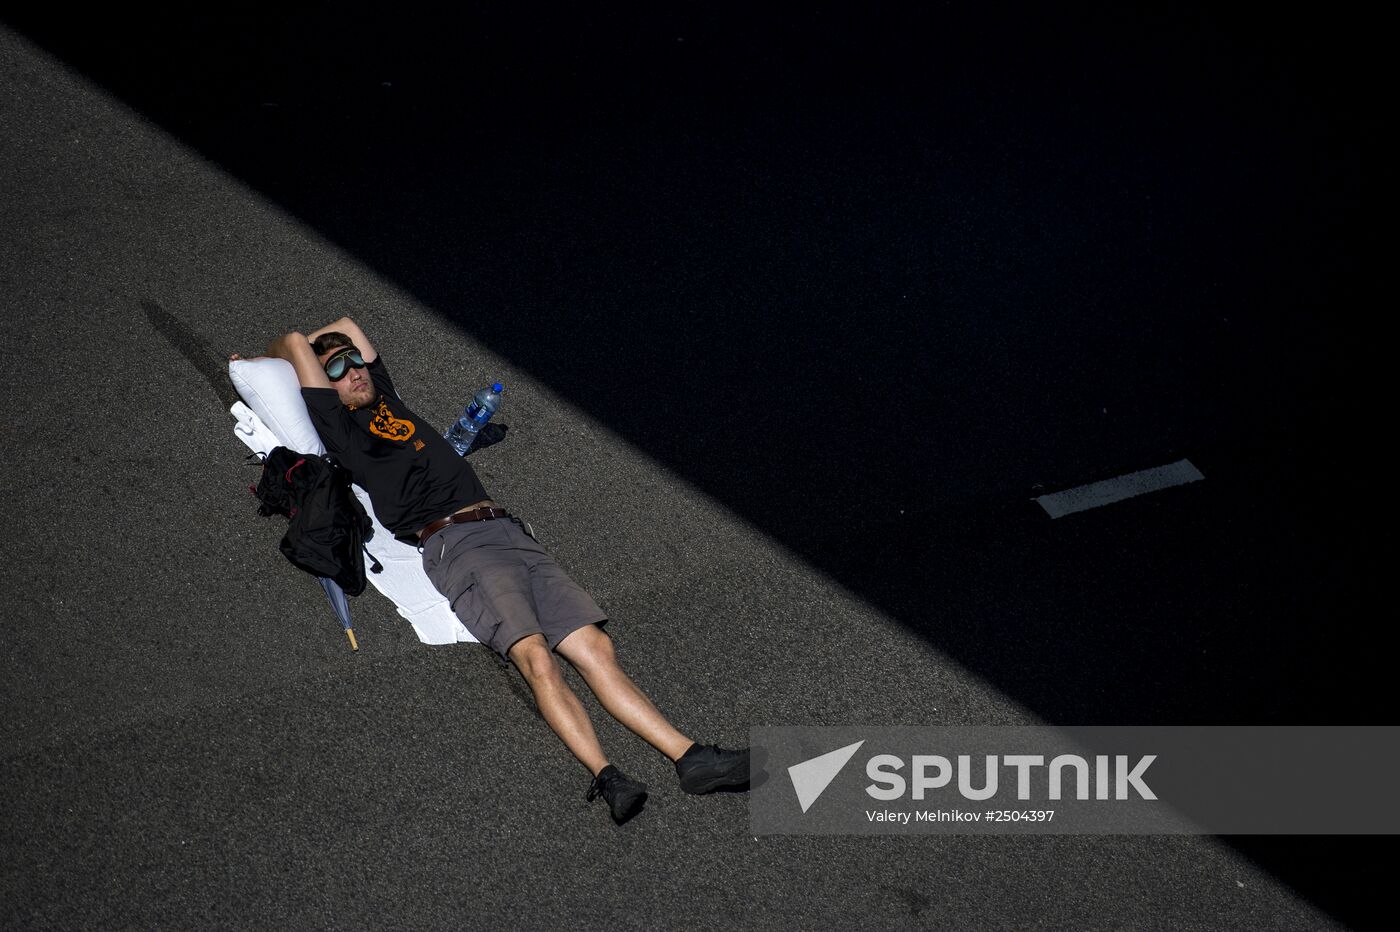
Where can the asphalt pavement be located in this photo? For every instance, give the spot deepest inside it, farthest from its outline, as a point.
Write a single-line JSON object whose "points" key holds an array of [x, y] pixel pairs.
{"points": [[797, 314]]}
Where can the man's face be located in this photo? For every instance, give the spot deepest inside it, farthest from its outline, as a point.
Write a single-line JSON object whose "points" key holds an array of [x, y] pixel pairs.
{"points": [[354, 388]]}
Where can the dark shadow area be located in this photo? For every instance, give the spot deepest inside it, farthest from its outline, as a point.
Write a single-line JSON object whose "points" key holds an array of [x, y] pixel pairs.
{"points": [[194, 348], [875, 281]]}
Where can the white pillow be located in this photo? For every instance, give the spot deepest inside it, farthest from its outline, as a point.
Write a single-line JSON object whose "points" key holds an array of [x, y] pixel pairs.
{"points": [[269, 386]]}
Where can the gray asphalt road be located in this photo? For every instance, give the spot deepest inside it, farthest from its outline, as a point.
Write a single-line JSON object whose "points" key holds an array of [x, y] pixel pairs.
{"points": [[187, 740]]}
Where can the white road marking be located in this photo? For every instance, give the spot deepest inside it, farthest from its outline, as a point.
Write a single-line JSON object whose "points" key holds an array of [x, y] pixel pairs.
{"points": [[1084, 497]]}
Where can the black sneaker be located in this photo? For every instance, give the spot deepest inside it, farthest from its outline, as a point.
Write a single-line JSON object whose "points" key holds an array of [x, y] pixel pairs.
{"points": [[708, 767], [624, 796]]}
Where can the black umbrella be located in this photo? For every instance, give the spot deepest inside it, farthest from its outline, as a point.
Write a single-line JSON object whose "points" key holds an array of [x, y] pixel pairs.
{"points": [[341, 605]]}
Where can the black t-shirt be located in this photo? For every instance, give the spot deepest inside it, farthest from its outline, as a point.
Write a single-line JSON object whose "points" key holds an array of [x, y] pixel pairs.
{"points": [[412, 474]]}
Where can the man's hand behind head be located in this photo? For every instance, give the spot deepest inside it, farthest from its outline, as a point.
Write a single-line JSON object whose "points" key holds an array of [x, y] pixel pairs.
{"points": [[294, 348]]}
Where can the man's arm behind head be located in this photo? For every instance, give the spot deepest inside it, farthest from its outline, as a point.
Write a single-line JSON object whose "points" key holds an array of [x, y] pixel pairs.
{"points": [[295, 348], [352, 330]]}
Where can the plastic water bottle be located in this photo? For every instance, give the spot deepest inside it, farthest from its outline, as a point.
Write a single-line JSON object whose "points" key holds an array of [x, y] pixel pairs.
{"points": [[463, 433]]}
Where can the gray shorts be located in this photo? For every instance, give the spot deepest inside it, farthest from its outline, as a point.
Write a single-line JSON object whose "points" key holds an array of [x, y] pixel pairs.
{"points": [[504, 586]]}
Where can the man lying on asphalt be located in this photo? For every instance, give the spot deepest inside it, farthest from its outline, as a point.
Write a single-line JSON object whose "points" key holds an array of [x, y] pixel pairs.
{"points": [[508, 592]]}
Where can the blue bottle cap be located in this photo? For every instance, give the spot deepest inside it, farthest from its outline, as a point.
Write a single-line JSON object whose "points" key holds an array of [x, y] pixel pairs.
{"points": [[498, 388]]}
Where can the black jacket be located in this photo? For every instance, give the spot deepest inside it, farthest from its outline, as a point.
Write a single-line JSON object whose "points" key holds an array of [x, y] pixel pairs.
{"points": [[327, 524]]}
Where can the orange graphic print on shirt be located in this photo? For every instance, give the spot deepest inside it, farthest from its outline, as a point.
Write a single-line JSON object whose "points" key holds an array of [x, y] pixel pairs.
{"points": [[385, 425]]}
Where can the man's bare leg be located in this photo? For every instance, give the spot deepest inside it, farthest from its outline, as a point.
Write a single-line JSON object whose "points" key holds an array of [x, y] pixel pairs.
{"points": [[561, 709], [590, 650]]}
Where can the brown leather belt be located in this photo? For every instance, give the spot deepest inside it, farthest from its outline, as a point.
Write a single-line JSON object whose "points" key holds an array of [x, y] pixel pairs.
{"points": [[461, 517]]}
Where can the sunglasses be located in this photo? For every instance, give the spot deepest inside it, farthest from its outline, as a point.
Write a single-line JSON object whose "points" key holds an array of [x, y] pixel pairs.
{"points": [[342, 362]]}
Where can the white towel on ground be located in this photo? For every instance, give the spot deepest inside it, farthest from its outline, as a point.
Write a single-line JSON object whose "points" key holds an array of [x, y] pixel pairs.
{"points": [[403, 580]]}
